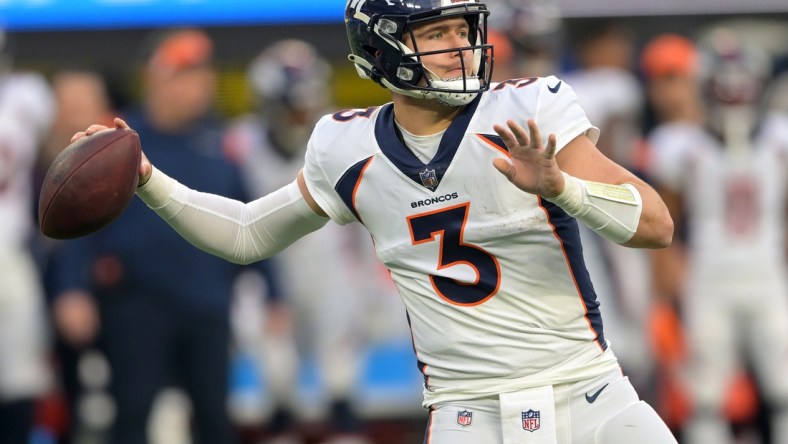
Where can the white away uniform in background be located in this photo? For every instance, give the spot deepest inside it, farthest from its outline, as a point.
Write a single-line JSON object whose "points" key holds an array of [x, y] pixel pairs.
{"points": [[492, 278], [736, 298], [26, 113]]}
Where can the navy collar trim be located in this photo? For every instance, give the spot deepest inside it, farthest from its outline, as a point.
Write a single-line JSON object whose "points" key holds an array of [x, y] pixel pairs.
{"points": [[427, 175]]}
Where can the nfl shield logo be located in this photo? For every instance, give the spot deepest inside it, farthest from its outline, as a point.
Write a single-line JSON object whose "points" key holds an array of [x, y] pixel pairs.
{"points": [[531, 420], [464, 418], [428, 178]]}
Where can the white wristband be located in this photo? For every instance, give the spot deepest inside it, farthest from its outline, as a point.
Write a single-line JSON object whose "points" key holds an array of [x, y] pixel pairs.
{"points": [[613, 211]]}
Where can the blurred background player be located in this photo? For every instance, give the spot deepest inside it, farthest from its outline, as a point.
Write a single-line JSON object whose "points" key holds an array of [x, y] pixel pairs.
{"points": [[608, 89], [670, 64], [726, 181], [81, 94], [26, 113], [163, 306], [322, 274], [527, 36]]}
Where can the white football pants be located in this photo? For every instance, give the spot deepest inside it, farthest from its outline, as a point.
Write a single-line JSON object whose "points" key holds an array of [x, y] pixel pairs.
{"points": [[604, 410]]}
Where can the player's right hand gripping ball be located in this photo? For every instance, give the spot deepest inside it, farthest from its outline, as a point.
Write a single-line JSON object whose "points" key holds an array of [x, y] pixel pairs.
{"points": [[90, 183]]}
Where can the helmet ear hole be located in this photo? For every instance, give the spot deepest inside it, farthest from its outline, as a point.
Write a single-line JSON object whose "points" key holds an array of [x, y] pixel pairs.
{"points": [[405, 74]]}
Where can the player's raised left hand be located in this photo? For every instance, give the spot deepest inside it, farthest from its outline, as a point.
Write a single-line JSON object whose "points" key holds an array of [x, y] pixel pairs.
{"points": [[533, 167]]}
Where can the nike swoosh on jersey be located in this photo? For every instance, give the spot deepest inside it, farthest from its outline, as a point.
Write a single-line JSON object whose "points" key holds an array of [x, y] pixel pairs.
{"points": [[554, 89], [593, 397]]}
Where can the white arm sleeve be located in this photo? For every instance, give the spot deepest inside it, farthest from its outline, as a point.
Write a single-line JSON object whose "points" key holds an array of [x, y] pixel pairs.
{"points": [[239, 232]]}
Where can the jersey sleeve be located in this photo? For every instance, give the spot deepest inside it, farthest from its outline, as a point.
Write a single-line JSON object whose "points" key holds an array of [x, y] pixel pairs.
{"points": [[559, 112], [318, 173]]}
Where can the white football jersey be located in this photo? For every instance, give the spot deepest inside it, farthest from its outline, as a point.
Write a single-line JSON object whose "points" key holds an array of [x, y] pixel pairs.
{"points": [[493, 280], [734, 201], [26, 112]]}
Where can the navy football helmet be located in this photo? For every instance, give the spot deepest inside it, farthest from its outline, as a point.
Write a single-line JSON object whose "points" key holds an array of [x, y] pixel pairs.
{"points": [[376, 29], [291, 81], [734, 71]]}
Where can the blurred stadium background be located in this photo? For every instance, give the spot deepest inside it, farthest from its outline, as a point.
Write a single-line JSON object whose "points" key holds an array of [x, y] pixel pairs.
{"points": [[107, 35]]}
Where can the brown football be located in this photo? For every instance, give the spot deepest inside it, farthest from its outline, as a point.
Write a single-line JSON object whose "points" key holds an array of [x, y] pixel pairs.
{"points": [[90, 183]]}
